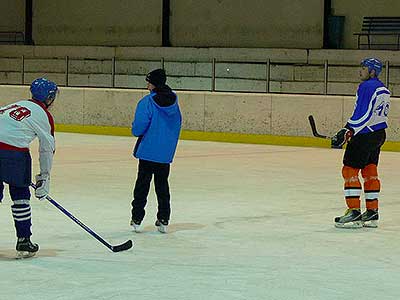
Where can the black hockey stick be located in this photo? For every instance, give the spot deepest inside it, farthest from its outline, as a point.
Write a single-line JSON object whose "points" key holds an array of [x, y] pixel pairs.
{"points": [[125, 246], [314, 129]]}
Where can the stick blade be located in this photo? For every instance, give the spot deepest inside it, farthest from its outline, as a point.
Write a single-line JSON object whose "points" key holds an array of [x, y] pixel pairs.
{"points": [[312, 124], [314, 128], [125, 246]]}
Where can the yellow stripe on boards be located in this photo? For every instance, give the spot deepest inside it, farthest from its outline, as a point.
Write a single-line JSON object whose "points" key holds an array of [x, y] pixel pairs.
{"points": [[91, 129], [220, 137], [254, 139], [391, 146]]}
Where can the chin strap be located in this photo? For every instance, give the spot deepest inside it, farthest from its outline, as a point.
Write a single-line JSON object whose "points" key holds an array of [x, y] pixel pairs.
{"points": [[48, 104]]}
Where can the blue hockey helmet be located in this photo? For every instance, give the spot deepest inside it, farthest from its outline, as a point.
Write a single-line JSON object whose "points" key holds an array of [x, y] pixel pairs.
{"points": [[43, 89], [372, 64]]}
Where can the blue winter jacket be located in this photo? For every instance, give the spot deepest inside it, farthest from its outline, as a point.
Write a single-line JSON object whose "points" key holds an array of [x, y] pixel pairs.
{"points": [[157, 125]]}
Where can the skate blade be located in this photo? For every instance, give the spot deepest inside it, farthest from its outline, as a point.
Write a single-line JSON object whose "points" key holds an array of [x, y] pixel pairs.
{"points": [[162, 229], [24, 254], [371, 224], [136, 228], [349, 225]]}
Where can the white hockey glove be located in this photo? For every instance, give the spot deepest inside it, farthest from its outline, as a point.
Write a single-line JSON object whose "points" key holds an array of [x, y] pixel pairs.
{"points": [[42, 186]]}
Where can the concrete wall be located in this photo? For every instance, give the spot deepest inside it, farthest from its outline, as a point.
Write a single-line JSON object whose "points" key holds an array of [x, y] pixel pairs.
{"points": [[12, 15], [210, 112], [247, 23], [102, 22], [207, 23]]}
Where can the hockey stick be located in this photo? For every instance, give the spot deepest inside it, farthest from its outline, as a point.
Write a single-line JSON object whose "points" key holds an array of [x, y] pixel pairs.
{"points": [[314, 129], [125, 246]]}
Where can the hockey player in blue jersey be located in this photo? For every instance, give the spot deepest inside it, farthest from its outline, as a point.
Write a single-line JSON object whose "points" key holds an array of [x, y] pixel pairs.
{"points": [[20, 124], [364, 134], [157, 125]]}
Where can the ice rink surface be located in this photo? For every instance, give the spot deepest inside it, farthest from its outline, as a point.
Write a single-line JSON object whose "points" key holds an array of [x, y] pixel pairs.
{"points": [[248, 222]]}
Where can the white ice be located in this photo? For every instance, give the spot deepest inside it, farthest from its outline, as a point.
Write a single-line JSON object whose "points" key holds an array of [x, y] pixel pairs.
{"points": [[248, 222]]}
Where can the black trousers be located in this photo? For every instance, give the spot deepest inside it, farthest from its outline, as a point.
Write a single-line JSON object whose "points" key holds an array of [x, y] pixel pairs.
{"points": [[142, 187], [364, 149]]}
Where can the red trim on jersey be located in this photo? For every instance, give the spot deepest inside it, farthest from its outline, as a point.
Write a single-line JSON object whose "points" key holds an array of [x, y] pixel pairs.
{"points": [[49, 116], [4, 146]]}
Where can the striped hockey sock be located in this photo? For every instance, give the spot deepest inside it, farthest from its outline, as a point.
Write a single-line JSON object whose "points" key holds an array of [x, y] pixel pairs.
{"points": [[21, 211], [352, 187], [372, 186]]}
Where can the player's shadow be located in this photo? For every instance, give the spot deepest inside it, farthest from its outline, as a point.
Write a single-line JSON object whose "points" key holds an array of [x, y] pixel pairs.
{"points": [[10, 254], [175, 227]]}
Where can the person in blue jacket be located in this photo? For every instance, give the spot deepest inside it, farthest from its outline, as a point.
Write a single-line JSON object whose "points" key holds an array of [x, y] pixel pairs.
{"points": [[365, 133], [157, 124]]}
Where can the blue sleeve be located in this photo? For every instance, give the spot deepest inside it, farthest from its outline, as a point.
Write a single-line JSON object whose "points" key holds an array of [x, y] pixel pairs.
{"points": [[142, 118], [363, 108]]}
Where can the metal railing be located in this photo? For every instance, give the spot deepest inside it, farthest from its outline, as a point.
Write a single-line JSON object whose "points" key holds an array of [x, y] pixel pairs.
{"points": [[219, 77]]}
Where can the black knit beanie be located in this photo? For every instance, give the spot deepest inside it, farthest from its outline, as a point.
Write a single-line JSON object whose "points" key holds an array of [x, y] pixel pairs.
{"points": [[157, 77]]}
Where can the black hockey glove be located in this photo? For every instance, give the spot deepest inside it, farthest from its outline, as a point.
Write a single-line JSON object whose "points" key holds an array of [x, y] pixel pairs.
{"points": [[341, 138]]}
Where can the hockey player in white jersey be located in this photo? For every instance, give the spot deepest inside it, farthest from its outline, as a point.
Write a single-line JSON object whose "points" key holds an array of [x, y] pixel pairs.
{"points": [[365, 134], [20, 123]]}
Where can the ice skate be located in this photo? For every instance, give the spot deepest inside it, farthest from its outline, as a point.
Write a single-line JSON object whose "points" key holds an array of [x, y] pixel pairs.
{"points": [[136, 225], [162, 226], [25, 248], [351, 219], [370, 218]]}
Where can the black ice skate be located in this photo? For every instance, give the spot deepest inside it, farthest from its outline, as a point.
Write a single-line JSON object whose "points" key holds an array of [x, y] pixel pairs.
{"points": [[370, 218], [25, 248], [351, 219], [162, 226]]}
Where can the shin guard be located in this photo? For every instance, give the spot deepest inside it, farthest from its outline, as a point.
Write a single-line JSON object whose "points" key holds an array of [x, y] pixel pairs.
{"points": [[372, 186], [352, 187]]}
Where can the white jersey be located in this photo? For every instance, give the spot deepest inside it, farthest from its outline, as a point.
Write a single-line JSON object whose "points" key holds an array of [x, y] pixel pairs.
{"points": [[21, 123]]}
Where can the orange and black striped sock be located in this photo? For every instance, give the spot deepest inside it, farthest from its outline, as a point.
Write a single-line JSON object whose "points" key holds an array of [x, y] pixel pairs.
{"points": [[372, 186], [352, 187]]}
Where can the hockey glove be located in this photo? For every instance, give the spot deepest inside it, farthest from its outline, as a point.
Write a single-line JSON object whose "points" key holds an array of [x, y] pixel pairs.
{"points": [[341, 138], [42, 186]]}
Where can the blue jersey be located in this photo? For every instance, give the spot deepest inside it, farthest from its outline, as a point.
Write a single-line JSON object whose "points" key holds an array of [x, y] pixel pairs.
{"points": [[371, 108]]}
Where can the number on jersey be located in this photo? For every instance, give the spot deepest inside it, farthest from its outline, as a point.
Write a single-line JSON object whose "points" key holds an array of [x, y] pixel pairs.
{"points": [[17, 112]]}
